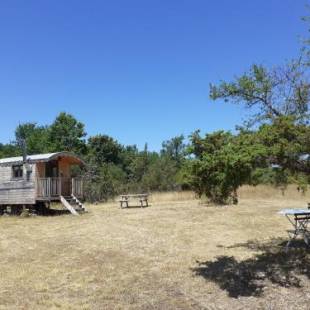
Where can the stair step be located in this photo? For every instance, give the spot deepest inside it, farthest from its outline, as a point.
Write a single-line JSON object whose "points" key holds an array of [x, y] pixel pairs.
{"points": [[78, 202], [67, 205], [80, 210], [73, 204]]}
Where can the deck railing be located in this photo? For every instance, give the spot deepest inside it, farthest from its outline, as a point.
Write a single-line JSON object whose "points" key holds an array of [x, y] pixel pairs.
{"points": [[77, 187], [51, 188]]}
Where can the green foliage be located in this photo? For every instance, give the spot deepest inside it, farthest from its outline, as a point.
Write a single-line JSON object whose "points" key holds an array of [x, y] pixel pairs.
{"points": [[222, 163], [263, 176], [174, 149], [302, 181], [108, 182], [139, 165], [103, 148], [115, 169], [280, 98], [276, 92], [9, 150], [36, 137], [161, 175], [67, 134], [285, 142], [214, 165]]}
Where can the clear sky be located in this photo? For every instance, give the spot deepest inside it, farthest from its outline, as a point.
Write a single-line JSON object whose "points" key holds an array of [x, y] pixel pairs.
{"points": [[137, 70]]}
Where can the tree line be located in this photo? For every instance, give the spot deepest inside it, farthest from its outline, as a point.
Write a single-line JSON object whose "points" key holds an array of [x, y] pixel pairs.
{"points": [[112, 168], [214, 165]]}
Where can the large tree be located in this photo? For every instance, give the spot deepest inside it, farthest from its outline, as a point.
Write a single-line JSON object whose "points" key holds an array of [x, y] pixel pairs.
{"points": [[67, 134], [272, 92], [222, 163], [104, 149], [287, 144], [161, 174], [9, 150], [174, 149], [36, 137]]}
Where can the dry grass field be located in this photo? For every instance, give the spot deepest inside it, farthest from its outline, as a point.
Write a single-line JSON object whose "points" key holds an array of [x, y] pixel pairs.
{"points": [[176, 254]]}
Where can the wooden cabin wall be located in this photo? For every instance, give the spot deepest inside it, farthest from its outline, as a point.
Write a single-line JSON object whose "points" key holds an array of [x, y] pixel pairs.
{"points": [[15, 192], [5, 174], [40, 170]]}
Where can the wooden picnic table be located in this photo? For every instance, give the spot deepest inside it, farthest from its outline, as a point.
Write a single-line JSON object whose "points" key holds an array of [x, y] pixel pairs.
{"points": [[142, 198]]}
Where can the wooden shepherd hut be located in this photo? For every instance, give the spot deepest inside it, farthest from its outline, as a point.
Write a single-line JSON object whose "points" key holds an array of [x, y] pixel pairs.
{"points": [[38, 180]]}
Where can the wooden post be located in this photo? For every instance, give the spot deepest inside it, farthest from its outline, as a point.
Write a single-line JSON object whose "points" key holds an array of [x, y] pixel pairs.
{"points": [[59, 186], [49, 187], [82, 188]]}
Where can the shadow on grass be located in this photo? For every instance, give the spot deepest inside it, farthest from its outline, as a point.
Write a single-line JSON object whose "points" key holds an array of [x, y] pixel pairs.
{"points": [[43, 211], [135, 207], [249, 277], [54, 212]]}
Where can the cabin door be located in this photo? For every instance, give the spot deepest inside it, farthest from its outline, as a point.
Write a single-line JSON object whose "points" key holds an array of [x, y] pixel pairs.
{"points": [[51, 169]]}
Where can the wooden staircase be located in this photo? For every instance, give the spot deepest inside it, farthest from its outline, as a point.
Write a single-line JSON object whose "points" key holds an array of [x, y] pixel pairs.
{"points": [[73, 204]]}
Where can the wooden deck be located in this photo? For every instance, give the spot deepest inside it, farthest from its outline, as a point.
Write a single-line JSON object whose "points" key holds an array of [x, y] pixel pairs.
{"points": [[54, 188]]}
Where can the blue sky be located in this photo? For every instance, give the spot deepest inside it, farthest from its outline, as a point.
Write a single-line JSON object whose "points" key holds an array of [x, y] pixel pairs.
{"points": [[137, 70]]}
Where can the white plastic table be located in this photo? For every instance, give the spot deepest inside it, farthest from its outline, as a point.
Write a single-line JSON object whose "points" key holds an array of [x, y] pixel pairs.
{"points": [[300, 220]]}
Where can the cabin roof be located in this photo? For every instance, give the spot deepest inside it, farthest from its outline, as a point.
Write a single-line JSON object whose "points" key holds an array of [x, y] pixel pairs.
{"points": [[39, 158]]}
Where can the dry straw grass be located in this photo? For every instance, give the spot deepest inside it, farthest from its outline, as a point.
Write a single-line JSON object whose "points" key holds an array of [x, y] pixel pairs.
{"points": [[270, 192], [176, 254], [159, 197]]}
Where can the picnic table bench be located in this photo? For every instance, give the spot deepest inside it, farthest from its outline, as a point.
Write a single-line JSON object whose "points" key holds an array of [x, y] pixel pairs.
{"points": [[300, 220], [142, 198]]}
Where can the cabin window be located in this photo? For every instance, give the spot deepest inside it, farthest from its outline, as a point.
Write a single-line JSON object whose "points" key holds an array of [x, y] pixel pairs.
{"points": [[17, 171]]}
